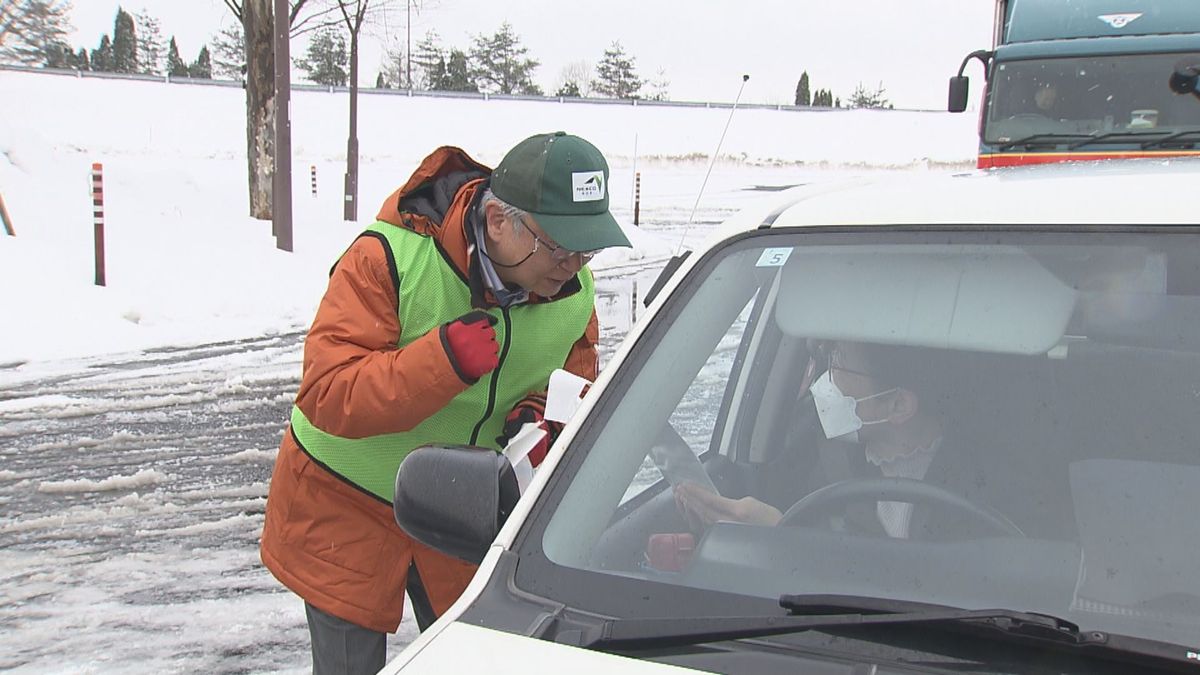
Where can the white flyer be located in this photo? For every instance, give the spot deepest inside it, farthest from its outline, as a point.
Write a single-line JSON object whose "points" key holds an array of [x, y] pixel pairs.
{"points": [[563, 395]]}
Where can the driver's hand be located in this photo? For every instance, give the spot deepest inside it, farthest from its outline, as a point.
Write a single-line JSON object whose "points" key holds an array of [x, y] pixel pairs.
{"points": [[703, 507]]}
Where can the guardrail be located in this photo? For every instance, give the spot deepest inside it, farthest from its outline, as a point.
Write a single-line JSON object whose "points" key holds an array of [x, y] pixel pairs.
{"points": [[372, 91]]}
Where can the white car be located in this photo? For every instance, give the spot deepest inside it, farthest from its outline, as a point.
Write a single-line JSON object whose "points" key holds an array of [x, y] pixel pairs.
{"points": [[941, 423]]}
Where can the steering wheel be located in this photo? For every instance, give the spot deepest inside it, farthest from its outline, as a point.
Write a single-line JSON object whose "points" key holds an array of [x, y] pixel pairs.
{"points": [[825, 500]]}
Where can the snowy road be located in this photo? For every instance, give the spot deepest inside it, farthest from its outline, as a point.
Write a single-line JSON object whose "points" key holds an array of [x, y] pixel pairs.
{"points": [[133, 490]]}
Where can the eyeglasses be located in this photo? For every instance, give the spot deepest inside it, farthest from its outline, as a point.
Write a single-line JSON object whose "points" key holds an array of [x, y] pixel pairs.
{"points": [[825, 356], [557, 253]]}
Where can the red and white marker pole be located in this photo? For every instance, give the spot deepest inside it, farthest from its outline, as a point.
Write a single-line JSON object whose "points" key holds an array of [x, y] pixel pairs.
{"points": [[637, 197], [98, 218]]}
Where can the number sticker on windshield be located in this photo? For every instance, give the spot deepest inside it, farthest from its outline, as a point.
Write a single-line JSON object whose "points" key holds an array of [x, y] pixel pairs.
{"points": [[773, 257]]}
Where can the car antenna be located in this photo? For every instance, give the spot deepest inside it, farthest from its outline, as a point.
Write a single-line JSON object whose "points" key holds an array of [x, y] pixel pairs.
{"points": [[711, 162]]}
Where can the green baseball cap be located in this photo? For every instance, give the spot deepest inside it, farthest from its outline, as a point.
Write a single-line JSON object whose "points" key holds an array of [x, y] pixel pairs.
{"points": [[562, 180]]}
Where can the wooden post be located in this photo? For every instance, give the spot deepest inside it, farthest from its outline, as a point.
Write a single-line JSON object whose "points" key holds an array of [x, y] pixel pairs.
{"points": [[98, 219], [8, 226], [313, 169], [637, 197]]}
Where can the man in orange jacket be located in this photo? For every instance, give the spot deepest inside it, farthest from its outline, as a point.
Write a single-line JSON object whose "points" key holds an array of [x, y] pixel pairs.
{"points": [[441, 324]]}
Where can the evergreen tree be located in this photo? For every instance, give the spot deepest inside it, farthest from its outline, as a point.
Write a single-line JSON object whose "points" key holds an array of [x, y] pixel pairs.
{"points": [[569, 88], [81, 59], [658, 86], [429, 62], [58, 55], [31, 31], [616, 75], [229, 52], [325, 62], [500, 64], [201, 68], [803, 96], [437, 76], [175, 65], [124, 44], [149, 44], [102, 56], [380, 83], [861, 98], [459, 76]]}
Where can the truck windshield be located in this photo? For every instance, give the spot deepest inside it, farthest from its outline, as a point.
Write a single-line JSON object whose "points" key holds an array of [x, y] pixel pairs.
{"points": [[1094, 95]]}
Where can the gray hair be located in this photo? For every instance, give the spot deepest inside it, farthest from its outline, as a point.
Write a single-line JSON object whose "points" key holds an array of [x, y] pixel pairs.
{"points": [[511, 212]]}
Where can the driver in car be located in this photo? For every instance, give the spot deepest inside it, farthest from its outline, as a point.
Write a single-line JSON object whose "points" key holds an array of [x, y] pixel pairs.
{"points": [[872, 396]]}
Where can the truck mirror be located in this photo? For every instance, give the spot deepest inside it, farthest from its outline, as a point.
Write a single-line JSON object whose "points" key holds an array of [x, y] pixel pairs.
{"points": [[959, 86], [1184, 79]]}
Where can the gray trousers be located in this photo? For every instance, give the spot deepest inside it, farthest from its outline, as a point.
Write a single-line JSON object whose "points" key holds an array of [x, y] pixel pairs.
{"points": [[342, 648]]}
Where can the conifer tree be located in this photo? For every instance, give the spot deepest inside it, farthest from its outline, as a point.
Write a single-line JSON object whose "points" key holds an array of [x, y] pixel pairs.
{"points": [[429, 61], [803, 96], [102, 56], [862, 98], [569, 88], [175, 65], [325, 62], [500, 65], [201, 68], [458, 73], [229, 52], [58, 55], [124, 44], [81, 59], [149, 44], [616, 74]]}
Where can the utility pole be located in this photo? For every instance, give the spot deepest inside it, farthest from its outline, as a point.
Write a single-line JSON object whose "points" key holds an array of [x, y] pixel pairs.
{"points": [[408, 43], [281, 182]]}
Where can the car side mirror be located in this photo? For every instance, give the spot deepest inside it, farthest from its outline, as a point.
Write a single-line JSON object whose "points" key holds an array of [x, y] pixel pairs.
{"points": [[959, 86], [455, 499]]}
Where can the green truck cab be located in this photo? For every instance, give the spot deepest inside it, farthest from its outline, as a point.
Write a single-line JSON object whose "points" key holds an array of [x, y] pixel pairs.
{"points": [[1088, 79]]}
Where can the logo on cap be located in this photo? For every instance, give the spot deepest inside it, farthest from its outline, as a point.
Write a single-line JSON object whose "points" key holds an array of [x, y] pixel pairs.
{"points": [[587, 186]]}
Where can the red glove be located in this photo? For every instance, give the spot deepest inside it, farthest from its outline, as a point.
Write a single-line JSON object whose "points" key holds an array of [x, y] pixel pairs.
{"points": [[532, 408], [470, 342]]}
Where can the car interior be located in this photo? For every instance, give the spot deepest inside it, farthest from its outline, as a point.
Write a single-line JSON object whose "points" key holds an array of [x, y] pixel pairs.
{"points": [[1069, 379]]}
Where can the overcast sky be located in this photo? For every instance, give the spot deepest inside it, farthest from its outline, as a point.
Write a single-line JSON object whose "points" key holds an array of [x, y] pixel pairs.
{"points": [[703, 47]]}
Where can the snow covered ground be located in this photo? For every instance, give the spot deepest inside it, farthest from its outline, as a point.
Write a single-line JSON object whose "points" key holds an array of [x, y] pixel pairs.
{"points": [[138, 421]]}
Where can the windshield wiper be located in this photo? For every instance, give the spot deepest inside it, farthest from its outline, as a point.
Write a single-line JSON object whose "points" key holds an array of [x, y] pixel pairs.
{"points": [[823, 612], [1140, 137], [1042, 139], [1174, 138]]}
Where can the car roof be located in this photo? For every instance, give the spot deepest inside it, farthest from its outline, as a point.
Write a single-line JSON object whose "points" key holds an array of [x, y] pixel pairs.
{"points": [[1152, 191]]}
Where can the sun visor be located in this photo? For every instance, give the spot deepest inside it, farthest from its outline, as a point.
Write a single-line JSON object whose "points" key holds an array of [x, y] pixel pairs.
{"points": [[977, 298]]}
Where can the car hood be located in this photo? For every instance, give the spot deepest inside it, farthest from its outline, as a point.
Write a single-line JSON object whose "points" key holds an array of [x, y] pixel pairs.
{"points": [[464, 648]]}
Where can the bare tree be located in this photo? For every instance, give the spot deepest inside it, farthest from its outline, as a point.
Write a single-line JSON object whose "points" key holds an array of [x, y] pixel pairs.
{"points": [[257, 18], [355, 15], [29, 28], [575, 77]]}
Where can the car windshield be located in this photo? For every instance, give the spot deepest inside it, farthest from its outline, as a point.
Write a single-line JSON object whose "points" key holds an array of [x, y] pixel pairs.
{"points": [[1088, 96], [977, 420]]}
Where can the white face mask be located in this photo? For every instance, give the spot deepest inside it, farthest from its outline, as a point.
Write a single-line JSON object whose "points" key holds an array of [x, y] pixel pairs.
{"points": [[838, 412]]}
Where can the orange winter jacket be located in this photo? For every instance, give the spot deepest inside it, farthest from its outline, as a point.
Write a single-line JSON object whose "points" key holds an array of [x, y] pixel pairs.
{"points": [[332, 543]]}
